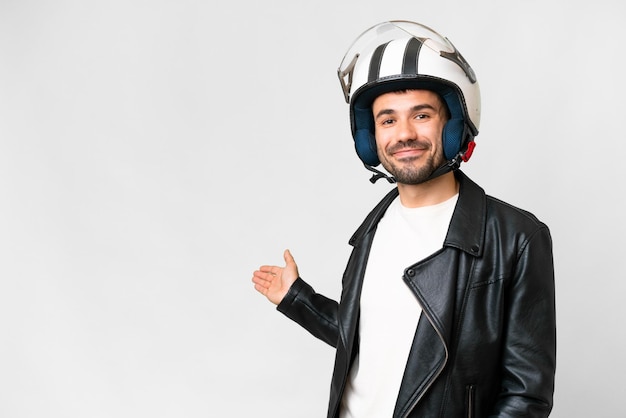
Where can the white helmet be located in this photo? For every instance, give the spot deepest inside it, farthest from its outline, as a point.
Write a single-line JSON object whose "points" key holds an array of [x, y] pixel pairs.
{"points": [[398, 55]]}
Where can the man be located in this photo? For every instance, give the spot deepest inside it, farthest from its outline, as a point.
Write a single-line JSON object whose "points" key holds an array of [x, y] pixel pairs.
{"points": [[447, 305]]}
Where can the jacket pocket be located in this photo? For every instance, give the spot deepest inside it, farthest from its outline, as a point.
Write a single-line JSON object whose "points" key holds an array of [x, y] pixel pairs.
{"points": [[470, 396]]}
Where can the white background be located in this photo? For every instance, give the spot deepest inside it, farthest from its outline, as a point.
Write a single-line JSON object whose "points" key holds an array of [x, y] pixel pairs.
{"points": [[154, 153]]}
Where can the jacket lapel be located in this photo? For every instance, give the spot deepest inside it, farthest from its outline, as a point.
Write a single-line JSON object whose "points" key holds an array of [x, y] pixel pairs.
{"points": [[433, 281]]}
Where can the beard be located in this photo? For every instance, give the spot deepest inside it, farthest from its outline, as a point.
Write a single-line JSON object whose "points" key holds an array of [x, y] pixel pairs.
{"points": [[405, 171]]}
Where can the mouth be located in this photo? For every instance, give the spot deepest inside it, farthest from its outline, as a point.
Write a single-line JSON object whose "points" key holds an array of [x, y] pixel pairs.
{"points": [[405, 153]]}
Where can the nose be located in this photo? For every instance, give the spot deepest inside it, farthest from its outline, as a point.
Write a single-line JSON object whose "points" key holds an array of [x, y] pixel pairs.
{"points": [[405, 131]]}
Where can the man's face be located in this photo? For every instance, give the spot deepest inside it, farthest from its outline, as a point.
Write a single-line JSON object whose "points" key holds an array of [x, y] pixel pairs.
{"points": [[408, 128]]}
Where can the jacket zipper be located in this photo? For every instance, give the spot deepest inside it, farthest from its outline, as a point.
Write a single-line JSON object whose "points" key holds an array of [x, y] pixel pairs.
{"points": [[435, 376], [470, 394]]}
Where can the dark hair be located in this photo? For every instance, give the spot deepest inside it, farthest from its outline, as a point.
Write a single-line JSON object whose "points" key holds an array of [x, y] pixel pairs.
{"points": [[446, 110]]}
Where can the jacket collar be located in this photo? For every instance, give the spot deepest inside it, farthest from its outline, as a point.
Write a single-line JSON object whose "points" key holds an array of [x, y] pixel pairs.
{"points": [[467, 226]]}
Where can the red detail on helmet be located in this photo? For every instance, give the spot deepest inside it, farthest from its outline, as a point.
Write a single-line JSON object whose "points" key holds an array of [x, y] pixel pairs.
{"points": [[470, 149]]}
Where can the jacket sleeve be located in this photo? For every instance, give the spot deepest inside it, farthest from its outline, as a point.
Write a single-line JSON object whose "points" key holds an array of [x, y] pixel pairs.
{"points": [[316, 313], [529, 351]]}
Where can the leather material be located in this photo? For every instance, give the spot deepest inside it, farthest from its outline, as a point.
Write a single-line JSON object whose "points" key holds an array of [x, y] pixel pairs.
{"points": [[485, 343]]}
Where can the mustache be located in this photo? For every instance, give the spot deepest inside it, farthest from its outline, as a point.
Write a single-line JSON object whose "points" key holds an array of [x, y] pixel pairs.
{"points": [[412, 144]]}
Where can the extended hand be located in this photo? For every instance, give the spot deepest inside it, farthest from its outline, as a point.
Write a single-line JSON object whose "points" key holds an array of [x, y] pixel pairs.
{"points": [[274, 281]]}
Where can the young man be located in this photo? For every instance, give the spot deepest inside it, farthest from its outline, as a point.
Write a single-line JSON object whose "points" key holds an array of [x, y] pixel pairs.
{"points": [[447, 306]]}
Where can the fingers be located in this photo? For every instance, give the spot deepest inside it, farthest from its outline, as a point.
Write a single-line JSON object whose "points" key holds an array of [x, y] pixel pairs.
{"points": [[264, 277], [261, 285], [261, 289], [270, 269]]}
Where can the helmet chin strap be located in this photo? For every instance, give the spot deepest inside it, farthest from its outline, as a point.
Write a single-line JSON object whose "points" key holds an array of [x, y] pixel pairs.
{"points": [[446, 167], [378, 175]]}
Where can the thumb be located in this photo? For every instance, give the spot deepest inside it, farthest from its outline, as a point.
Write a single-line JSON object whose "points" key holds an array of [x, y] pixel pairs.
{"points": [[288, 258]]}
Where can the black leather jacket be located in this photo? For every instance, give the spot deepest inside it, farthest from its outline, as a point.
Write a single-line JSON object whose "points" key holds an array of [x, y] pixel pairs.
{"points": [[485, 345]]}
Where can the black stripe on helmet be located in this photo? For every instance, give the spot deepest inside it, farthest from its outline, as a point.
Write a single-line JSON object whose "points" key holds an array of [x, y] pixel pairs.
{"points": [[411, 54], [377, 58]]}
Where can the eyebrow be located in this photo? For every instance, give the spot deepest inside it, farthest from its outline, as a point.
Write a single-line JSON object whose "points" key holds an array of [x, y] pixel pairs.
{"points": [[415, 108]]}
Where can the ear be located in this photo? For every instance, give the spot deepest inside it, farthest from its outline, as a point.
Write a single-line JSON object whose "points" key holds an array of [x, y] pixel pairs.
{"points": [[365, 144], [452, 137]]}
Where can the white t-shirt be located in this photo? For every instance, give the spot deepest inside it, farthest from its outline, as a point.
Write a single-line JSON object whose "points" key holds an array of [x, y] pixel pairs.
{"points": [[389, 311]]}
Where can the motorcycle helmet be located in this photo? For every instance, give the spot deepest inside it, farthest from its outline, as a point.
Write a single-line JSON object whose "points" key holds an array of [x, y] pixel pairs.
{"points": [[398, 55]]}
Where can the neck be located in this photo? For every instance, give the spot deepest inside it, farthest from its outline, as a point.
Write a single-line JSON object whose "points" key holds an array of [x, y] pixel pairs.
{"points": [[428, 193]]}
